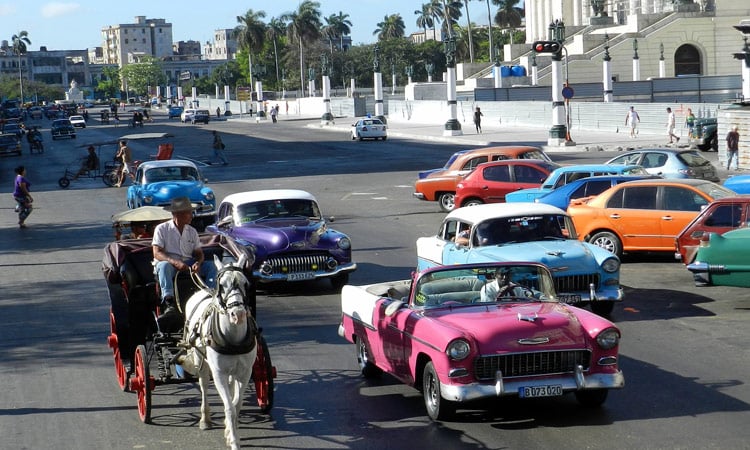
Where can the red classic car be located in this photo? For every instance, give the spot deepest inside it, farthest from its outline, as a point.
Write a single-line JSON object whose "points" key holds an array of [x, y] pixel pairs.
{"points": [[719, 216], [477, 331]]}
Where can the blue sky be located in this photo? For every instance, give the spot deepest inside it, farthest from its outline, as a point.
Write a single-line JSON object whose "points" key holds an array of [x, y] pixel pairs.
{"points": [[76, 25]]}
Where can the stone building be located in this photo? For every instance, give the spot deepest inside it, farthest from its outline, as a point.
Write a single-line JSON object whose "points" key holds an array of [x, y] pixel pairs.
{"points": [[144, 37]]}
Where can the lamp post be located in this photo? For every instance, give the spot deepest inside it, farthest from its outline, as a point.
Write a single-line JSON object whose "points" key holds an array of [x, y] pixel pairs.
{"points": [[377, 83], [744, 56], [558, 134], [393, 76], [607, 71], [259, 71], [636, 62], [452, 126], [662, 64], [325, 71], [498, 78], [311, 81], [534, 70]]}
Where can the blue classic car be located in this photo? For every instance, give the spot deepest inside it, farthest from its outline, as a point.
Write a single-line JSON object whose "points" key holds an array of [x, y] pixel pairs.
{"points": [[566, 174], [528, 232], [291, 239], [585, 187], [158, 182]]}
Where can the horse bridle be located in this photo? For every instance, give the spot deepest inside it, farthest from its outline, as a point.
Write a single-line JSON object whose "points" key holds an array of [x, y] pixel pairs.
{"points": [[219, 292]]}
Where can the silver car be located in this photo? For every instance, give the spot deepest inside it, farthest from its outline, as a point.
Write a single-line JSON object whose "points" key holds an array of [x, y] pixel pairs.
{"points": [[369, 128], [670, 163]]}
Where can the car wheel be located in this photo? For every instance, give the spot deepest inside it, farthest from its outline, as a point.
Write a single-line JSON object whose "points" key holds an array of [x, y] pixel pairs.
{"points": [[368, 369], [447, 201], [602, 308], [607, 241], [473, 202], [438, 408], [704, 147], [360, 138], [714, 143], [592, 398], [384, 137]]}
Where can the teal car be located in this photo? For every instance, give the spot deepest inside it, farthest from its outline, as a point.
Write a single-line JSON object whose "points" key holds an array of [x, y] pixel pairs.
{"points": [[722, 260], [566, 174]]}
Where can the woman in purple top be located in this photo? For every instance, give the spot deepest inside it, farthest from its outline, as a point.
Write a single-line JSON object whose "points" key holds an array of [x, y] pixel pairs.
{"points": [[22, 196]]}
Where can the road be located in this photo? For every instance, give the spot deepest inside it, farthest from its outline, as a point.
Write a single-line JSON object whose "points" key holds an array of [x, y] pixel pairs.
{"points": [[684, 350]]}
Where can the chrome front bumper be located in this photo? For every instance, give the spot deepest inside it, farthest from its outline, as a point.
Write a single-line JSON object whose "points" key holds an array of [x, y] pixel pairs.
{"points": [[266, 278]]}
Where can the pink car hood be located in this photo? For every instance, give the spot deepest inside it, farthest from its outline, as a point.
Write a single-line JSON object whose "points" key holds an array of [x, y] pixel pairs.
{"points": [[517, 327]]}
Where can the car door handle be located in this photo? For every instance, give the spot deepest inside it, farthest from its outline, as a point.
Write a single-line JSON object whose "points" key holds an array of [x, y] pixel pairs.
{"points": [[484, 188], [666, 217], [614, 216]]}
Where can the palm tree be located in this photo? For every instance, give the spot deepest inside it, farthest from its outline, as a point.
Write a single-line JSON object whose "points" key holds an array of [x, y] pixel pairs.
{"points": [[391, 27], [342, 26], [20, 41], [424, 18], [303, 25], [509, 15], [276, 29], [250, 34], [436, 10], [468, 25], [489, 21], [451, 14]]}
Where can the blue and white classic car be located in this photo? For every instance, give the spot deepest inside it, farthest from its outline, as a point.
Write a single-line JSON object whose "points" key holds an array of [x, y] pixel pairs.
{"points": [[527, 232]]}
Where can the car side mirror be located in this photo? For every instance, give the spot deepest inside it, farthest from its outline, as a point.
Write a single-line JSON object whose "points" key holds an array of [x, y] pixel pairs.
{"points": [[393, 307], [224, 221]]}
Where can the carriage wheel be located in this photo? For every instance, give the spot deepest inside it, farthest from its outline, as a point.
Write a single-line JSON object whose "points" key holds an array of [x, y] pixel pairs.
{"points": [[114, 344], [141, 384], [263, 374], [110, 177], [64, 182]]}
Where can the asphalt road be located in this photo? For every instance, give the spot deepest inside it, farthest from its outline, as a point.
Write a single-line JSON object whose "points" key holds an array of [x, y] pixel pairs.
{"points": [[684, 351]]}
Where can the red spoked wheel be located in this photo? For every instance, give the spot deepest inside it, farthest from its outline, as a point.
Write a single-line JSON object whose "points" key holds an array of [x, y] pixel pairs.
{"points": [[142, 384], [263, 374], [114, 344]]}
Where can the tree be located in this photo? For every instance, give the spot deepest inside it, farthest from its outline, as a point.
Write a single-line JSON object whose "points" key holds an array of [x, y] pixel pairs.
{"points": [[303, 25], [489, 33], [391, 27], [276, 29], [339, 26], [250, 34], [471, 41], [20, 41], [451, 14], [110, 83], [425, 19], [436, 10], [509, 15], [140, 75]]}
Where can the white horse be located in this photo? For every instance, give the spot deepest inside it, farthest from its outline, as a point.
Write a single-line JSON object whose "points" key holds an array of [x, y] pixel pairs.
{"points": [[220, 331]]}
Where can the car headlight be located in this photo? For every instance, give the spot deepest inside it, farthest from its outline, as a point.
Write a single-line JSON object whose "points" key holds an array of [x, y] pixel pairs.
{"points": [[209, 196], [611, 265], [458, 350], [344, 243], [608, 339]]}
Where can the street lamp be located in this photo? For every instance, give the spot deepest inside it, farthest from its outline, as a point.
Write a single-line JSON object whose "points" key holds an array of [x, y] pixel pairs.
{"points": [[259, 71], [377, 80], [561, 92], [325, 71], [452, 126]]}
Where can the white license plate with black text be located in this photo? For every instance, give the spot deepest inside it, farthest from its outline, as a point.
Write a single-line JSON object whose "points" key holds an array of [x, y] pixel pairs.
{"points": [[300, 276], [549, 390], [569, 298]]}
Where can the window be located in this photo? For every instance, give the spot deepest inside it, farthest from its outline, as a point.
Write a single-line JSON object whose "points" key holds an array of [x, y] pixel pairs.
{"points": [[448, 231], [497, 173], [687, 60], [681, 199], [526, 174], [652, 160], [473, 163], [643, 197], [725, 216]]}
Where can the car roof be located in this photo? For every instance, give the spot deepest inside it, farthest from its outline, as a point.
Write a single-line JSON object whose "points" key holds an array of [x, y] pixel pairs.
{"points": [[502, 162], [167, 163], [76, 117], [671, 181], [480, 213], [267, 194], [595, 167], [490, 150]]}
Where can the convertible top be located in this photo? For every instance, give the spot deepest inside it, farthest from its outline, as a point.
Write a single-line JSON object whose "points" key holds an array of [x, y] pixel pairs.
{"points": [[129, 137]]}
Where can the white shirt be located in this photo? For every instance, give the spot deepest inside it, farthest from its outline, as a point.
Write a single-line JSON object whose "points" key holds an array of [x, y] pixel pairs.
{"points": [[175, 244], [670, 120]]}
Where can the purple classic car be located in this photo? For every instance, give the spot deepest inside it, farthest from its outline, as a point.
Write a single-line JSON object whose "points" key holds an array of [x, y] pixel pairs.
{"points": [[291, 239]]}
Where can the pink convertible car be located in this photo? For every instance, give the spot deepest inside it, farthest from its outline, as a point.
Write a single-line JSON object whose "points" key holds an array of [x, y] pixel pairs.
{"points": [[468, 332]]}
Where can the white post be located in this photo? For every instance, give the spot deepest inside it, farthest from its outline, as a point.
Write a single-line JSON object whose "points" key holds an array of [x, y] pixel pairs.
{"points": [[452, 126], [194, 96], [662, 69], [259, 107], [429, 78], [351, 84], [180, 97], [607, 80], [378, 90], [534, 75], [393, 83], [327, 117], [498, 73], [636, 69], [558, 132], [312, 88]]}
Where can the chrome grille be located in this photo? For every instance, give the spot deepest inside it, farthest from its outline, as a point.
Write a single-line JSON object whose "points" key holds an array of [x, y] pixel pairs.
{"points": [[531, 364], [305, 262], [574, 283]]}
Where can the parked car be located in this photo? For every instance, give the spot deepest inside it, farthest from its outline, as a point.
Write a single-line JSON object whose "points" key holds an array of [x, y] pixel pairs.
{"points": [[78, 121], [158, 182], [567, 174], [532, 232], [62, 128], [704, 134], [721, 259], [187, 115], [291, 239], [738, 183], [10, 144], [491, 182], [721, 215], [643, 215], [585, 187], [369, 128], [12, 126], [438, 334], [175, 111], [439, 185], [670, 163]]}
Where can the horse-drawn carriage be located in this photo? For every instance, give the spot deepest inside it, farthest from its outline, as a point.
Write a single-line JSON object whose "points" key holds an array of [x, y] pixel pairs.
{"points": [[146, 356]]}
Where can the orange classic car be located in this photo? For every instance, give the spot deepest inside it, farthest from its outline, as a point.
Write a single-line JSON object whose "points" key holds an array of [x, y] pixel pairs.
{"points": [[643, 215], [439, 185]]}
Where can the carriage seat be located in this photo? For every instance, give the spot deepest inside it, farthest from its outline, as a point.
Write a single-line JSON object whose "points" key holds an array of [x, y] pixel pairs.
{"points": [[138, 275]]}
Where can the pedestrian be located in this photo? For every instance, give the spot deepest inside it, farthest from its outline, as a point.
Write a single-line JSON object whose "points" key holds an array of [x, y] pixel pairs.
{"points": [[670, 126], [22, 196], [632, 119], [690, 121], [733, 147], [478, 120], [126, 158], [218, 147], [218, 112], [274, 113]]}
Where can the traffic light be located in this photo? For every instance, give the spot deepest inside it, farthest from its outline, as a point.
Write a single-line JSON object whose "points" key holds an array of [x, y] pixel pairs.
{"points": [[546, 47]]}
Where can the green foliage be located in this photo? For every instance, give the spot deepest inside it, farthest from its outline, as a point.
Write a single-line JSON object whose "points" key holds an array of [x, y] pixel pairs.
{"points": [[32, 90], [109, 85], [140, 75]]}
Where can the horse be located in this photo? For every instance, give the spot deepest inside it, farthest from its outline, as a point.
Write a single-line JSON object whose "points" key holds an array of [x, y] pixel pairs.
{"points": [[220, 335]]}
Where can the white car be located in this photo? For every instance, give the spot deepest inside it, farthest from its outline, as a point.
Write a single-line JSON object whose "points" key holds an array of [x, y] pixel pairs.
{"points": [[369, 128], [77, 121], [187, 115]]}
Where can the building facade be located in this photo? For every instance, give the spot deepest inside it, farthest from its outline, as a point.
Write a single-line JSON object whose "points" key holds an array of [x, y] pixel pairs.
{"points": [[224, 46], [144, 37]]}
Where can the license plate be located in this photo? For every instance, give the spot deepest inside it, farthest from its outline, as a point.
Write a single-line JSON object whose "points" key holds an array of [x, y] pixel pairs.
{"points": [[300, 276], [569, 298], [550, 390]]}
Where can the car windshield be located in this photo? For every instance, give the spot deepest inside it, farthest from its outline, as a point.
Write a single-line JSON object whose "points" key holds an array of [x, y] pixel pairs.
{"points": [[158, 174], [485, 284], [511, 230], [693, 159], [278, 209]]}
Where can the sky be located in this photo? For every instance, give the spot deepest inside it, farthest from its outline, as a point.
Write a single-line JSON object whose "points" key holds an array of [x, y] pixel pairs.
{"points": [[77, 25]]}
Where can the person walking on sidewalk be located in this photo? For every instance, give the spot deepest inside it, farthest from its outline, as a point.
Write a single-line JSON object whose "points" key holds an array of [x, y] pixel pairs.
{"points": [[632, 119], [478, 120], [670, 126], [218, 147], [733, 147]]}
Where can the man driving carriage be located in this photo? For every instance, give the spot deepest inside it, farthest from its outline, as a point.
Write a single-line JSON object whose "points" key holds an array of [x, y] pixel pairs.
{"points": [[177, 248]]}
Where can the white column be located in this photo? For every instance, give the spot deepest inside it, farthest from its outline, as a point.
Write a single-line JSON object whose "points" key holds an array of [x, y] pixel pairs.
{"points": [[633, 7], [429, 78], [559, 130], [378, 90], [452, 127], [312, 88], [534, 75], [576, 12], [607, 80], [351, 84], [636, 69], [327, 117], [194, 96], [259, 100], [180, 97], [662, 69], [226, 93], [498, 76], [217, 91], [393, 84]]}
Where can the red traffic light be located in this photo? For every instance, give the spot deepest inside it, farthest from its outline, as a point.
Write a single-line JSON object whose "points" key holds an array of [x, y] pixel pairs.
{"points": [[546, 47]]}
